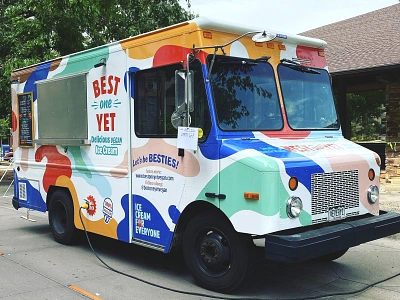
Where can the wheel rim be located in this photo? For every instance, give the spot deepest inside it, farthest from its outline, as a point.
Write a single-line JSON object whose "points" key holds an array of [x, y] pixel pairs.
{"points": [[59, 219], [212, 252]]}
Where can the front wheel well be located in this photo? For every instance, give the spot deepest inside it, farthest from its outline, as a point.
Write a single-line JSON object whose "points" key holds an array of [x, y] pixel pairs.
{"points": [[193, 209], [51, 191]]}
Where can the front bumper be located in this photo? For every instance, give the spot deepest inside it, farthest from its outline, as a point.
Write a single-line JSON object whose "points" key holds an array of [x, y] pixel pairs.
{"points": [[318, 242]]}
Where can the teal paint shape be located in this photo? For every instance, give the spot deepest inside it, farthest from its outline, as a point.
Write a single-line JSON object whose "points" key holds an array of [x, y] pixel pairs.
{"points": [[305, 218], [210, 187], [84, 61], [92, 177], [80, 162], [258, 174]]}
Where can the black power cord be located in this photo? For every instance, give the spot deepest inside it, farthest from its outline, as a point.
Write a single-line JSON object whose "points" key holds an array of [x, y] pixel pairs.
{"points": [[219, 297]]}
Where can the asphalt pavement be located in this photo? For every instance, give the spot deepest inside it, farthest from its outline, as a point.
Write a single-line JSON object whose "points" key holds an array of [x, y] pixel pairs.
{"points": [[34, 266]]}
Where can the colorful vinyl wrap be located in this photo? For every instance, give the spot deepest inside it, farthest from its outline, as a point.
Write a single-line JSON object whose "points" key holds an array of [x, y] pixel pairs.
{"points": [[137, 186]]}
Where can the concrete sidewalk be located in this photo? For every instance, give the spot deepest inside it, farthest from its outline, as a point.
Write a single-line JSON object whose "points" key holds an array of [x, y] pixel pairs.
{"points": [[6, 171], [390, 197], [33, 266]]}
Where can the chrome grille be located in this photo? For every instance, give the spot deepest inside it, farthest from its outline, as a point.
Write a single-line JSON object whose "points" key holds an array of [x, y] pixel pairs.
{"points": [[353, 214], [320, 220], [334, 189], [323, 220]]}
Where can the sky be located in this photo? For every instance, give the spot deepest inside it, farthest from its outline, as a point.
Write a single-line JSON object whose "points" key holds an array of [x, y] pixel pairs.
{"points": [[290, 16]]}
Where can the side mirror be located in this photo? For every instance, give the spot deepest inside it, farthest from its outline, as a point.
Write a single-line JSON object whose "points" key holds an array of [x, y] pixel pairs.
{"points": [[190, 90], [184, 89], [180, 76], [184, 97]]}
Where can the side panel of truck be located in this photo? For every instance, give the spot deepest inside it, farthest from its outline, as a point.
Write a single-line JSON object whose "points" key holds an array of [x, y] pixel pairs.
{"points": [[93, 172]]}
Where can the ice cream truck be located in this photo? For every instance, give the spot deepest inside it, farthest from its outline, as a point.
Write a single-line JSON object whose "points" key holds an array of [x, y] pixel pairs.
{"points": [[210, 137]]}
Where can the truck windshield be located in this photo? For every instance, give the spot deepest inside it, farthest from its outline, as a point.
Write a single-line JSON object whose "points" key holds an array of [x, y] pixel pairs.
{"points": [[307, 97], [245, 94]]}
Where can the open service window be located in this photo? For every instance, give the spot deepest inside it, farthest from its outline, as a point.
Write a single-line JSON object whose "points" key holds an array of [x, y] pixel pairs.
{"points": [[62, 103]]}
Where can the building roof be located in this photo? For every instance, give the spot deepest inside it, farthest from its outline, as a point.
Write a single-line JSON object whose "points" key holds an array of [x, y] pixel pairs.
{"points": [[367, 41]]}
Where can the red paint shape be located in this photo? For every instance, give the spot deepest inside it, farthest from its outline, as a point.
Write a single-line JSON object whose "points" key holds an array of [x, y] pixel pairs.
{"points": [[287, 134], [14, 122], [170, 54], [92, 205], [311, 54], [57, 165]]}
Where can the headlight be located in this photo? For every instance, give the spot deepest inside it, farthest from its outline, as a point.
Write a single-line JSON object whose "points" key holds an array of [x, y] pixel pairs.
{"points": [[294, 206], [373, 194]]}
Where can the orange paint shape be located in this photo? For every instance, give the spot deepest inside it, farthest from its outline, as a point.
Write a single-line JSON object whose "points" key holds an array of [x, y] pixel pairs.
{"points": [[157, 146], [121, 170], [342, 163], [24, 159], [99, 227], [191, 169]]}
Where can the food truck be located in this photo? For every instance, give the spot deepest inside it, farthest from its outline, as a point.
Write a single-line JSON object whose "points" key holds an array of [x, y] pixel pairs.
{"points": [[210, 137]]}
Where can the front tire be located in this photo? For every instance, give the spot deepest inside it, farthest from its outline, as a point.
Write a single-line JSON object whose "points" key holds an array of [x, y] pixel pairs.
{"points": [[218, 257], [61, 217]]}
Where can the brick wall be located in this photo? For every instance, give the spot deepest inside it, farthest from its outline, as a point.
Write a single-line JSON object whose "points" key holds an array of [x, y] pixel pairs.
{"points": [[393, 131]]}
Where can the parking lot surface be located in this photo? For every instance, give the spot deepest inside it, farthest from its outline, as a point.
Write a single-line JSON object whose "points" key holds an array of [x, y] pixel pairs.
{"points": [[34, 266]]}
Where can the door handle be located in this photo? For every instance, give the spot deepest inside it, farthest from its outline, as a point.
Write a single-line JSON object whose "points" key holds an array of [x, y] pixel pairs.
{"points": [[213, 195]]}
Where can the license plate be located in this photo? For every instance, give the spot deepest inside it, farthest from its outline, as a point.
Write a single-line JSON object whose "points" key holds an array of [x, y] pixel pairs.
{"points": [[336, 213]]}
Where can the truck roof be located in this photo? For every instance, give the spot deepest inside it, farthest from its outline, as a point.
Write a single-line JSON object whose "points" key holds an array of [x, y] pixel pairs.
{"points": [[235, 28], [215, 25]]}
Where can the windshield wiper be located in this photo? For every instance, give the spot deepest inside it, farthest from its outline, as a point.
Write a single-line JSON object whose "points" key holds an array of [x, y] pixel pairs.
{"points": [[296, 66], [263, 58], [332, 125], [248, 62]]}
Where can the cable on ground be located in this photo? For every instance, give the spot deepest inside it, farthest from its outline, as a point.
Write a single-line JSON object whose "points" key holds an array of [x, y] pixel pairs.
{"points": [[220, 297]]}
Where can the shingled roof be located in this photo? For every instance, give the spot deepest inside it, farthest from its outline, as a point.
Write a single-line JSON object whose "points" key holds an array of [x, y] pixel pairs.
{"points": [[367, 41]]}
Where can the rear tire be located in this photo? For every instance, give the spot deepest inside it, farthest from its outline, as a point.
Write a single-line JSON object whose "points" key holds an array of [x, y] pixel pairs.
{"points": [[332, 256], [61, 217], [218, 257]]}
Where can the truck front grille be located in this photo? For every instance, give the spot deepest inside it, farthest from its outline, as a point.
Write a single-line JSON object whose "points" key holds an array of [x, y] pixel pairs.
{"points": [[331, 190]]}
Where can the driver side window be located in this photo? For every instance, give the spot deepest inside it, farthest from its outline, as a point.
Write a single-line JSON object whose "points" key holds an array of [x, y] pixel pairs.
{"points": [[155, 101]]}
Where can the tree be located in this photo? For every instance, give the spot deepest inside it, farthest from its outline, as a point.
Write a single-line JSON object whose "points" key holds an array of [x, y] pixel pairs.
{"points": [[33, 31], [4, 130], [365, 110]]}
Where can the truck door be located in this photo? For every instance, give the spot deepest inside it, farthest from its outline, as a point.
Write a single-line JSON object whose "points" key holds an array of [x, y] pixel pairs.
{"points": [[162, 179], [157, 170]]}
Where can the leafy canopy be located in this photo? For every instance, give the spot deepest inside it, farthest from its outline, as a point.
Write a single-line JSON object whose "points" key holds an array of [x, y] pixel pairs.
{"points": [[366, 110], [32, 31]]}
